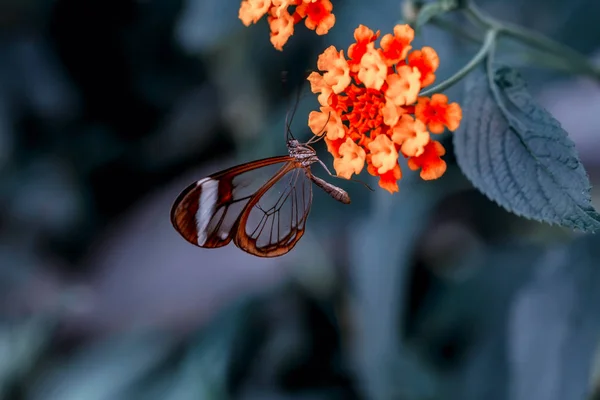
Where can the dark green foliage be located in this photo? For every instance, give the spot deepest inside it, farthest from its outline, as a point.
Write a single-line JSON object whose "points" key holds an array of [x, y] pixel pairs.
{"points": [[518, 155]]}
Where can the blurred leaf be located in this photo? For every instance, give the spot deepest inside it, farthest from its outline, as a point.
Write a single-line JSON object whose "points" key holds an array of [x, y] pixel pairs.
{"points": [[469, 315], [102, 371], [203, 24], [380, 261], [518, 155], [20, 348], [595, 375], [203, 371], [555, 325]]}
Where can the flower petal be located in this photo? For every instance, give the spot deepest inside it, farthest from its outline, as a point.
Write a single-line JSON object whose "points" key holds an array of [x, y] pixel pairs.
{"points": [[373, 70], [327, 121], [403, 86], [431, 164], [427, 62], [437, 113], [384, 154], [253, 10], [395, 47], [351, 160], [281, 29], [411, 135], [389, 180]]}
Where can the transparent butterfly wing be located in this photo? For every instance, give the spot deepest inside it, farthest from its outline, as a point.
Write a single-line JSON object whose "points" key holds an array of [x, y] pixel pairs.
{"points": [[208, 211], [274, 220]]}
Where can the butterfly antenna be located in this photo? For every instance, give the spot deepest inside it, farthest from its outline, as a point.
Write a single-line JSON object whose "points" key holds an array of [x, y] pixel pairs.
{"points": [[296, 104], [294, 108], [319, 135], [288, 132], [288, 122]]}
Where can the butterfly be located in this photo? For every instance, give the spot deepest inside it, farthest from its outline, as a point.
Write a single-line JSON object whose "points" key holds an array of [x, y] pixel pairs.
{"points": [[261, 205]]}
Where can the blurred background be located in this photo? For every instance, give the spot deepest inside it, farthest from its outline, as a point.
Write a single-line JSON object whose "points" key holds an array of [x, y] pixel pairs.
{"points": [[108, 109]]}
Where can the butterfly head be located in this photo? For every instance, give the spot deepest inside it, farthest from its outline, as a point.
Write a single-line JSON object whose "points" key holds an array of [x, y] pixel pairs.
{"points": [[293, 144]]}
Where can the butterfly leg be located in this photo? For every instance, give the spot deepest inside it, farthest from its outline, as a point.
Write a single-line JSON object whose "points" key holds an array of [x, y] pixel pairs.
{"points": [[339, 177]]}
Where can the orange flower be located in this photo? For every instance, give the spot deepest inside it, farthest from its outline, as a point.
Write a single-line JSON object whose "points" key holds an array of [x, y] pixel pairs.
{"points": [[253, 10], [437, 113], [316, 13], [363, 37], [427, 62], [281, 6], [333, 146], [395, 47], [383, 154], [327, 121], [389, 180], [318, 85], [431, 164], [282, 28], [372, 71], [337, 76], [403, 86], [391, 113], [370, 110], [351, 159], [411, 135]]}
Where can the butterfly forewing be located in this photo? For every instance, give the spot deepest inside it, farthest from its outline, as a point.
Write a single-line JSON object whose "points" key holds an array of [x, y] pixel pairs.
{"points": [[208, 211], [276, 216]]}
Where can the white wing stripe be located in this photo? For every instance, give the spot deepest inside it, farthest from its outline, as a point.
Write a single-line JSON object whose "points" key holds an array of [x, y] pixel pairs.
{"points": [[209, 191]]}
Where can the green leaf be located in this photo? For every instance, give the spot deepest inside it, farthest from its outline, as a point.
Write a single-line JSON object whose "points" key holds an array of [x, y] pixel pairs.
{"points": [[519, 156]]}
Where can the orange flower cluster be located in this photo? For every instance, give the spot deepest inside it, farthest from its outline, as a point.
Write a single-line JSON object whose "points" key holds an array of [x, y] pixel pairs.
{"points": [[371, 111], [316, 14]]}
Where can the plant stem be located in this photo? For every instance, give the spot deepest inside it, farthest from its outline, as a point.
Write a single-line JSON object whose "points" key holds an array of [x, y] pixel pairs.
{"points": [[488, 43], [576, 60], [455, 28]]}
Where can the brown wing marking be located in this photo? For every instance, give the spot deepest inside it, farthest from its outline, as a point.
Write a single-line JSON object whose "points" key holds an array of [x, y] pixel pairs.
{"points": [[207, 212]]}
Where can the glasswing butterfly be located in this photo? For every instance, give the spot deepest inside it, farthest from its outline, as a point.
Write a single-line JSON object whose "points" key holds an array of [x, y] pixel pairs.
{"points": [[262, 210]]}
